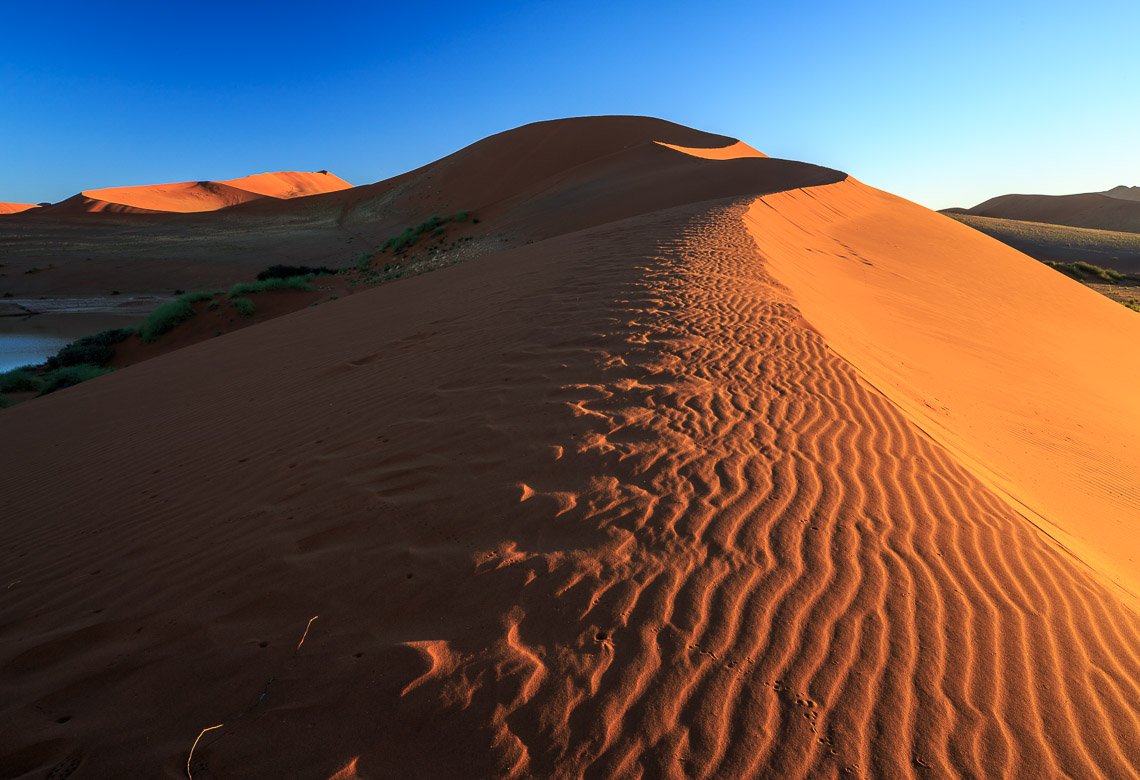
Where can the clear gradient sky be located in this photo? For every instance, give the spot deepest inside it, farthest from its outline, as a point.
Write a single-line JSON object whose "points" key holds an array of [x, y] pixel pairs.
{"points": [[947, 104]]}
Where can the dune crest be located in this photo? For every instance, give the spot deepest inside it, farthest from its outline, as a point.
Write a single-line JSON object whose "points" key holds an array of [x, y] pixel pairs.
{"points": [[731, 152], [198, 196], [1013, 367], [16, 208]]}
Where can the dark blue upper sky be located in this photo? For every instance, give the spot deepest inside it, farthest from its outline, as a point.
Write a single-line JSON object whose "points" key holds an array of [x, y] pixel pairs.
{"points": [[946, 104]]}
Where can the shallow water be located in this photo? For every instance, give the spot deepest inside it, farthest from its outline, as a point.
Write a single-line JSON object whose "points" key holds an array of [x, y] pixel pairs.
{"points": [[31, 340]]}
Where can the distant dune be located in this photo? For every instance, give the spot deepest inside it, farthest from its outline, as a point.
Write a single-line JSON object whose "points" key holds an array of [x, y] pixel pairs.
{"points": [[195, 196], [1117, 209], [702, 465], [15, 208], [1124, 193]]}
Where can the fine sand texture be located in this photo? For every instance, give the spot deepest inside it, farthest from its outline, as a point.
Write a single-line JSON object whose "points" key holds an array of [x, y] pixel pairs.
{"points": [[622, 502]]}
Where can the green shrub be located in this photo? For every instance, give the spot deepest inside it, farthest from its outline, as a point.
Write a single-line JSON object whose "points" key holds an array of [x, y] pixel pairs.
{"points": [[69, 376], [198, 295], [20, 380], [165, 318], [287, 271], [5, 401], [95, 350], [1106, 274], [244, 306], [462, 216], [289, 283]]}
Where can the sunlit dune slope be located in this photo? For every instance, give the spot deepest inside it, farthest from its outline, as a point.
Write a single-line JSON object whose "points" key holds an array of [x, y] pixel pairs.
{"points": [[618, 502], [1024, 374], [731, 152], [195, 196], [16, 208]]}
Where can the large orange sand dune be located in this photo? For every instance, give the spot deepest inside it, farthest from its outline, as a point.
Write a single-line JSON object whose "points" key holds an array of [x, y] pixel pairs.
{"points": [[15, 208], [625, 501], [194, 196]]}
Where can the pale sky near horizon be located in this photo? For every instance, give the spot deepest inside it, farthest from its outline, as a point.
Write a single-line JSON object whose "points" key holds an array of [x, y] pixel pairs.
{"points": [[944, 104]]}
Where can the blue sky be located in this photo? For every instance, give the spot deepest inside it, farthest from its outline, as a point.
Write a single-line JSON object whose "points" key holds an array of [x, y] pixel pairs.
{"points": [[946, 104]]}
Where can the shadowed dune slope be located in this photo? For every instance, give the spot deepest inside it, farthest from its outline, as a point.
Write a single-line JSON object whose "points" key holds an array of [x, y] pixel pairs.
{"points": [[1024, 374], [604, 505], [532, 182], [1097, 210]]}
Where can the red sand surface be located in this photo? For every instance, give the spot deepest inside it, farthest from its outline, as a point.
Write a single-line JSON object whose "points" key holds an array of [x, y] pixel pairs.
{"points": [[16, 208], [193, 196], [656, 495]]}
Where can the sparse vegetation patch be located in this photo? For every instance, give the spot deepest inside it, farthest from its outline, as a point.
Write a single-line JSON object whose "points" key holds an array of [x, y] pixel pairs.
{"points": [[287, 271], [165, 319], [272, 283], [70, 376], [95, 350]]}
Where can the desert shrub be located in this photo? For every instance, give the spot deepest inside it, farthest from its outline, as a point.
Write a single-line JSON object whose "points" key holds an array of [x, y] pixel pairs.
{"points": [[96, 350], [20, 380], [165, 318], [287, 271], [198, 295], [69, 376], [5, 401], [244, 306], [1106, 274], [433, 224], [289, 283]]}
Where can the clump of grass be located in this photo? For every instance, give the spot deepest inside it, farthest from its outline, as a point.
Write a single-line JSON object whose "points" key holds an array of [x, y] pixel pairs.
{"points": [[410, 235], [95, 350], [244, 306], [198, 295], [287, 271], [275, 283], [1081, 270], [165, 318], [1132, 303], [20, 380], [70, 376], [1106, 274]]}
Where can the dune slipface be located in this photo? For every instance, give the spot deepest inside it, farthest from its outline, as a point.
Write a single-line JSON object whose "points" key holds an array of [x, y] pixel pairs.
{"points": [[620, 502]]}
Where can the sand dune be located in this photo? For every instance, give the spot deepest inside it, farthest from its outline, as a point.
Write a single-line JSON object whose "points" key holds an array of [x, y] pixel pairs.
{"points": [[16, 208], [194, 196], [1123, 192], [1097, 210], [625, 501]]}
